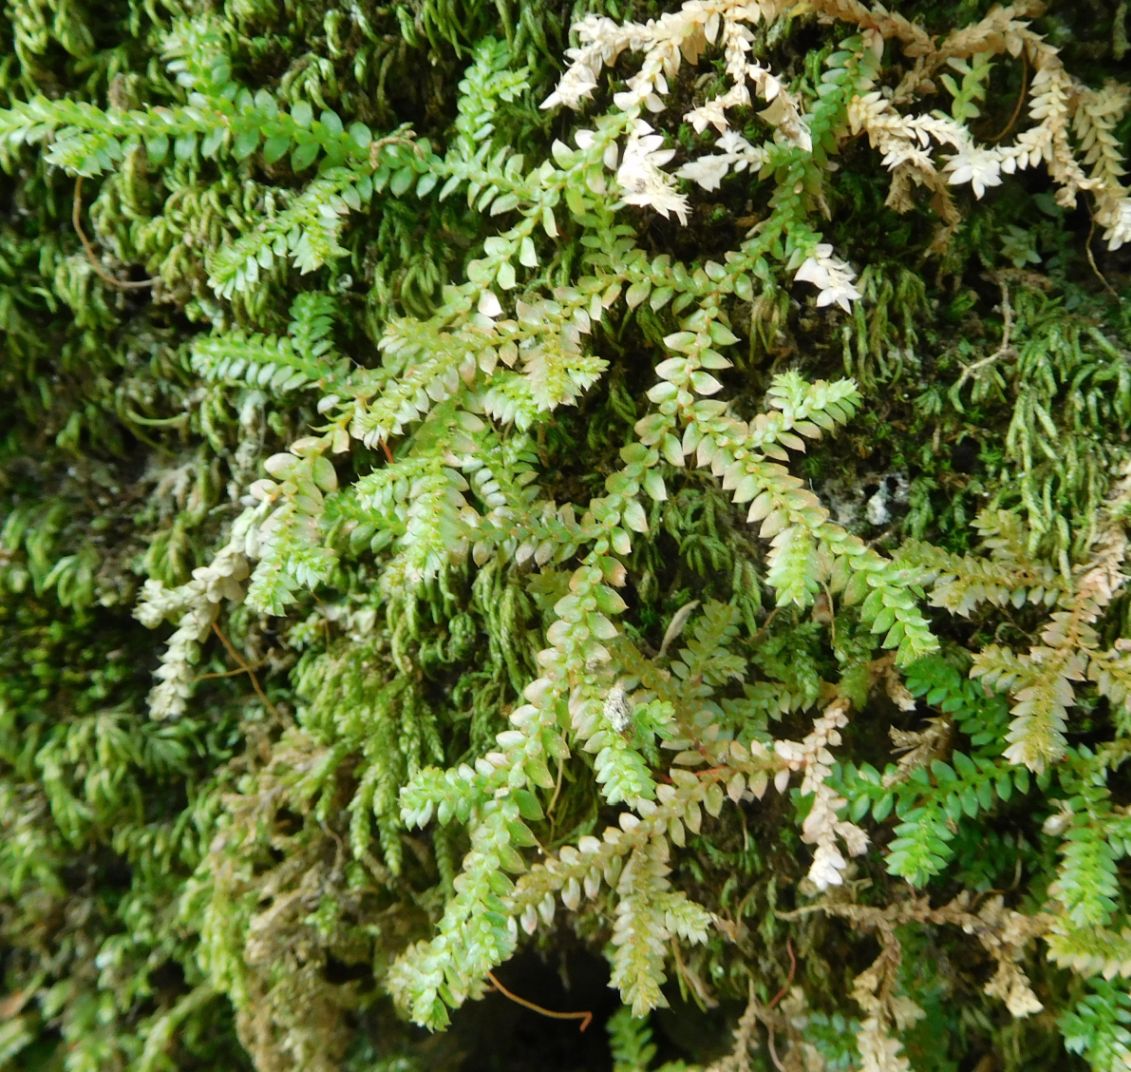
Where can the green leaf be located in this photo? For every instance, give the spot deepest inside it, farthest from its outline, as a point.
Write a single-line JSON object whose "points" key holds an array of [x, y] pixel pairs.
{"points": [[275, 148], [506, 275], [304, 154], [528, 806], [634, 516], [211, 142], [157, 148], [360, 135], [245, 143], [654, 485], [401, 180], [184, 146]]}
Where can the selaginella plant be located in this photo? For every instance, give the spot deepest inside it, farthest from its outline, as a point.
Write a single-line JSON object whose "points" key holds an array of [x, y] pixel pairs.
{"points": [[492, 466]]}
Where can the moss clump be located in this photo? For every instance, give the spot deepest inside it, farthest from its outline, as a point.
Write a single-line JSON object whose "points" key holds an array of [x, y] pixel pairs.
{"points": [[661, 562]]}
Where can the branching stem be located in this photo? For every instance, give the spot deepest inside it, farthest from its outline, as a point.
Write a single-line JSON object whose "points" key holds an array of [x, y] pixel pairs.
{"points": [[246, 667], [92, 256], [585, 1017]]}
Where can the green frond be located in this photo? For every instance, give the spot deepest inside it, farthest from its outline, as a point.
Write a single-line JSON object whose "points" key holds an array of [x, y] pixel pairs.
{"points": [[456, 463]]}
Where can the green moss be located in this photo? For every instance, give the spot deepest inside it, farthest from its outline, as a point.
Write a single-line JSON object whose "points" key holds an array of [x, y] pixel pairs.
{"points": [[359, 408]]}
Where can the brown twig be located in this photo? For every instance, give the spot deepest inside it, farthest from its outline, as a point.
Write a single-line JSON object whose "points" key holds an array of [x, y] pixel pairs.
{"points": [[1092, 261], [218, 675], [557, 788], [585, 1017], [92, 255], [774, 1050], [1020, 100], [245, 666], [789, 978], [406, 138], [689, 981], [1004, 350], [777, 997]]}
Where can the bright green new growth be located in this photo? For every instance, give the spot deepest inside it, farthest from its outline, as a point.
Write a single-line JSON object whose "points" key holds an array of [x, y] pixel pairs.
{"points": [[489, 516]]}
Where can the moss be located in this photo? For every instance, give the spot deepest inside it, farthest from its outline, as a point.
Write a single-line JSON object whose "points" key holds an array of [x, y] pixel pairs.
{"points": [[372, 422]]}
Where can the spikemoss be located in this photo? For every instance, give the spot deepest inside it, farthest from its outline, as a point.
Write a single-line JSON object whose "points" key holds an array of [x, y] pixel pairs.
{"points": [[689, 532]]}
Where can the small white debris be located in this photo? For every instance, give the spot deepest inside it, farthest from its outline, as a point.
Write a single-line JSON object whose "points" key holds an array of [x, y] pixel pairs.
{"points": [[617, 709]]}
